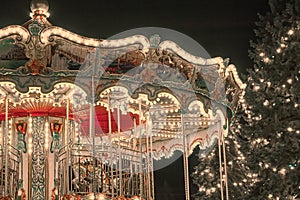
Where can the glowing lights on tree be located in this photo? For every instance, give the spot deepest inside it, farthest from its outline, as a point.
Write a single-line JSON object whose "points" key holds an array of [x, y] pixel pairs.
{"points": [[285, 42]]}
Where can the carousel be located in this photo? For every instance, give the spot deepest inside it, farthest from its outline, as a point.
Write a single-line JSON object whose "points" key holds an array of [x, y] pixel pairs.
{"points": [[84, 118]]}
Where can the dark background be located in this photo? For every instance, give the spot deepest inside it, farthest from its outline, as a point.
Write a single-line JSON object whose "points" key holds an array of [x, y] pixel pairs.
{"points": [[223, 27]]}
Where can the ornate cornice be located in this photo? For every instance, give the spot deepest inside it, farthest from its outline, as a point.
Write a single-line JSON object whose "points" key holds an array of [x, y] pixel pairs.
{"points": [[17, 32]]}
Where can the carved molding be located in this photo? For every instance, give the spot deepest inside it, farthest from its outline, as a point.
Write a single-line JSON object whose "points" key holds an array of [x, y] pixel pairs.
{"points": [[170, 45], [19, 33]]}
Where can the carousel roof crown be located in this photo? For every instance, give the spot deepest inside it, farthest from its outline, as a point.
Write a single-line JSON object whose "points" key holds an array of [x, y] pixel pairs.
{"points": [[39, 7]]}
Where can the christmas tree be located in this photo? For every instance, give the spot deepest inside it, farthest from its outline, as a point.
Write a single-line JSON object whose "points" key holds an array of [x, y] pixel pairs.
{"points": [[206, 174], [271, 122], [263, 147]]}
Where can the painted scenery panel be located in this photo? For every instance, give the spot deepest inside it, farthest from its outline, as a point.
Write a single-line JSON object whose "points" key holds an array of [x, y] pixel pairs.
{"points": [[12, 56]]}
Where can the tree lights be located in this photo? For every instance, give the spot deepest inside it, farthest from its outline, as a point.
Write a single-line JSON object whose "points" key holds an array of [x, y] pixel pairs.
{"points": [[274, 136], [265, 132]]}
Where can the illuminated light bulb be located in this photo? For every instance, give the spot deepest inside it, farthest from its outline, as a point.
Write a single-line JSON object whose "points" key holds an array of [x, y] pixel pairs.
{"points": [[274, 169], [290, 81], [290, 32], [46, 135], [297, 131], [282, 171], [262, 54], [213, 189], [30, 145], [278, 50], [266, 103], [267, 165], [208, 191], [279, 134], [282, 45], [288, 100], [256, 88], [290, 129], [266, 60], [270, 196], [258, 140], [201, 189]]}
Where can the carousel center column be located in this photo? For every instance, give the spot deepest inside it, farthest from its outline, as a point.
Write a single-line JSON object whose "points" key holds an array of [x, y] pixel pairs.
{"points": [[38, 160]]}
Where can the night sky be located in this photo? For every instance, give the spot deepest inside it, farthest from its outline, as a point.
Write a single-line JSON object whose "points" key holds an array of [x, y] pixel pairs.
{"points": [[223, 27]]}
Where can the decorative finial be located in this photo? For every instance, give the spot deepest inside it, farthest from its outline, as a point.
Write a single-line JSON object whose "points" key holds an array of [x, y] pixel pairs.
{"points": [[39, 8], [154, 40]]}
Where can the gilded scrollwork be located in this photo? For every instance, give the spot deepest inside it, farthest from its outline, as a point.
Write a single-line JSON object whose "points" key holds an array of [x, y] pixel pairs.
{"points": [[17, 32]]}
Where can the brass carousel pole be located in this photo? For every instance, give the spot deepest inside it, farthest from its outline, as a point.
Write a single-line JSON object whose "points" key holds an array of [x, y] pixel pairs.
{"points": [[54, 171], [110, 146], [225, 167], [134, 189], [109, 136], [140, 146], [150, 175], [185, 159], [152, 166], [119, 149], [29, 157], [92, 121], [47, 158], [224, 163], [66, 145], [148, 160], [92, 129], [2, 157], [6, 148], [220, 163]]}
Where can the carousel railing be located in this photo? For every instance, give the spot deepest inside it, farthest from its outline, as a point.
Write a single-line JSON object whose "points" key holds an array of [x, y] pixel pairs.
{"points": [[107, 170], [9, 174]]}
